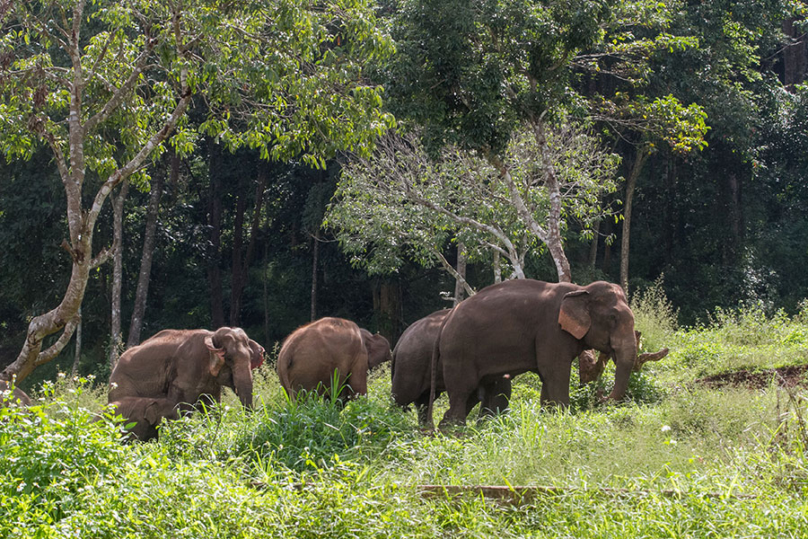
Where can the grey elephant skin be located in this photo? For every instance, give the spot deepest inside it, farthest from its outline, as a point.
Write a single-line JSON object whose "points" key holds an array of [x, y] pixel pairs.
{"points": [[410, 372], [187, 367], [312, 354], [526, 325]]}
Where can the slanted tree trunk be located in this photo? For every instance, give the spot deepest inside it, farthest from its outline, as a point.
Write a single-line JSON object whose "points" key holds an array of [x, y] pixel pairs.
{"points": [[149, 242], [459, 293], [116, 342], [215, 223], [241, 264], [631, 184], [80, 220]]}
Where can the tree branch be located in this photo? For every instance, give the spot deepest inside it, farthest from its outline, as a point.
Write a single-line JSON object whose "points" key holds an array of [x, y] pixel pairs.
{"points": [[48, 355], [115, 101], [453, 272]]}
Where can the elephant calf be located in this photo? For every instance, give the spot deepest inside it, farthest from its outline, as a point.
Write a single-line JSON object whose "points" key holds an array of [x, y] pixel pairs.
{"points": [[312, 354], [146, 413], [590, 369], [410, 372]]}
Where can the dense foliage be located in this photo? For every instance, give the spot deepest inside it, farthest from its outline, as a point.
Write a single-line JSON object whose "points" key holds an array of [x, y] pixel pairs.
{"points": [[239, 239]]}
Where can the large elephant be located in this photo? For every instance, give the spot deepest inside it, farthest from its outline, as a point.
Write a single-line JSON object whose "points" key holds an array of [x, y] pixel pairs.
{"points": [[187, 367], [310, 356], [526, 325], [146, 413], [410, 372]]}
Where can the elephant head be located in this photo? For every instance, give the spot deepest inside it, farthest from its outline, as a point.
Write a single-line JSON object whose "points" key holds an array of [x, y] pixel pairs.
{"points": [[598, 315], [233, 356], [378, 348]]}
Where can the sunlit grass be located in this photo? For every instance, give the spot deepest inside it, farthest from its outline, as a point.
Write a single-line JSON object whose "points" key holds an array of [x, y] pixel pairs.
{"points": [[680, 459]]}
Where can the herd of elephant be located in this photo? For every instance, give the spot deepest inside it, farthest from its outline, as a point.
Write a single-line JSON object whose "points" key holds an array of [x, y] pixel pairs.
{"points": [[472, 352]]}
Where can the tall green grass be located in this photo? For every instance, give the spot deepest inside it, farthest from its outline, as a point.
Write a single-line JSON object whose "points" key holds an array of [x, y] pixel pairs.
{"points": [[678, 460]]}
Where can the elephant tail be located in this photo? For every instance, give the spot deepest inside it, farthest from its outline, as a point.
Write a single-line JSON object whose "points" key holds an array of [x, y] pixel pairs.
{"points": [[433, 376]]}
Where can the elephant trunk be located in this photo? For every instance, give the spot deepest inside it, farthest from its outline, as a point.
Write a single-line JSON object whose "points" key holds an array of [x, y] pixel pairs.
{"points": [[243, 385], [625, 357]]}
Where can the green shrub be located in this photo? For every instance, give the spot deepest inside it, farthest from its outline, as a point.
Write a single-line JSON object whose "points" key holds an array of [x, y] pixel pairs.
{"points": [[654, 316], [48, 455], [312, 429]]}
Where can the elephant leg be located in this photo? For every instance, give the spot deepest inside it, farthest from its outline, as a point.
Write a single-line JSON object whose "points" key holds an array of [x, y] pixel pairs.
{"points": [[458, 403], [357, 384], [555, 386], [495, 397], [472, 401], [422, 406]]}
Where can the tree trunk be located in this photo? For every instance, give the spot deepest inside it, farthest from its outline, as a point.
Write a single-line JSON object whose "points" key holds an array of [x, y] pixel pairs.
{"points": [[795, 55], [81, 221], [461, 271], [631, 184], [116, 342], [241, 264], [314, 261], [149, 241], [77, 352], [593, 246], [237, 268], [497, 268], [387, 308], [215, 223], [264, 279]]}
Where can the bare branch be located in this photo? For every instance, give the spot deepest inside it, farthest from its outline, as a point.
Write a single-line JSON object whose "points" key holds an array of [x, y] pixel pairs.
{"points": [[453, 272]]}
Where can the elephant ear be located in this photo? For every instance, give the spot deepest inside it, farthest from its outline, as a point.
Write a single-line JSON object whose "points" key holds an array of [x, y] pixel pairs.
{"points": [[257, 355], [152, 413], [216, 356], [574, 314], [377, 347]]}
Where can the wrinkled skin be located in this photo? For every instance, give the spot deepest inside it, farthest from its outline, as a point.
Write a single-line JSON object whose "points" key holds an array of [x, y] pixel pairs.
{"points": [[312, 353], [410, 372], [13, 396], [526, 325], [188, 367], [146, 413]]}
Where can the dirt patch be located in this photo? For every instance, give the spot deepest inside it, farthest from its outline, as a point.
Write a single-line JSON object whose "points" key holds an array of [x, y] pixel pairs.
{"points": [[793, 376]]}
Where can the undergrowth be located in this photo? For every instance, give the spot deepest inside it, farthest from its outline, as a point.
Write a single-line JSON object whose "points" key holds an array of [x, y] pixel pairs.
{"points": [[676, 459]]}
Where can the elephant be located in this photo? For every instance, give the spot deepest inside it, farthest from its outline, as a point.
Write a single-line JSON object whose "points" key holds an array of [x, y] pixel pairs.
{"points": [[188, 367], [410, 372], [590, 369], [310, 356], [146, 413], [13, 396], [526, 325]]}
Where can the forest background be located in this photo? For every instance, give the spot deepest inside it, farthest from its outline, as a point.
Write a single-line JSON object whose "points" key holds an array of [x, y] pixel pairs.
{"points": [[238, 239]]}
